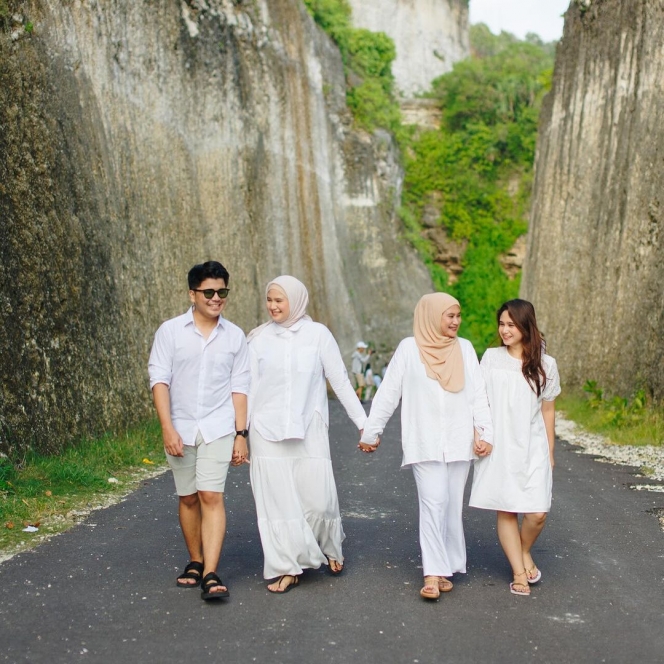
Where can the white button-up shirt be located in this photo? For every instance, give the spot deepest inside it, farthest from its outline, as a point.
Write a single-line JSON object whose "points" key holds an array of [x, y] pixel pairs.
{"points": [[436, 425], [201, 375], [288, 371]]}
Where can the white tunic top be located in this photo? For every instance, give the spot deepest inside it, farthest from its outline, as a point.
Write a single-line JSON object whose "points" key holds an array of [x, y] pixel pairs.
{"points": [[201, 375], [436, 425], [516, 476], [288, 371]]}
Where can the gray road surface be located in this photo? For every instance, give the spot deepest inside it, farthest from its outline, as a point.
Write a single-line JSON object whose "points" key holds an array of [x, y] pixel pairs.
{"points": [[105, 591]]}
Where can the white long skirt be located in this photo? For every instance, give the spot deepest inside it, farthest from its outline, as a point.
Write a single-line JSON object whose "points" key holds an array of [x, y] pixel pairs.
{"points": [[296, 501]]}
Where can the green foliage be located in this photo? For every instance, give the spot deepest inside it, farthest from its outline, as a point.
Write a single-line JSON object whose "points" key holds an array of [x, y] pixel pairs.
{"points": [[367, 58], [479, 166], [490, 107], [633, 420], [42, 486], [617, 411]]}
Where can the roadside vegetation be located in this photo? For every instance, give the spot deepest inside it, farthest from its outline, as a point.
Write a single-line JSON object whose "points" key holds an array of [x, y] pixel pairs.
{"points": [[629, 421], [51, 493], [475, 171]]}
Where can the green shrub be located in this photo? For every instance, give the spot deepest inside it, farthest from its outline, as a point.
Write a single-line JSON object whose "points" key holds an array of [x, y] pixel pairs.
{"points": [[367, 58], [486, 143]]}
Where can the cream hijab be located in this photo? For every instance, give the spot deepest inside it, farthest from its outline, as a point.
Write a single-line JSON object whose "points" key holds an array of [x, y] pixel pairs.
{"points": [[298, 298], [441, 355]]}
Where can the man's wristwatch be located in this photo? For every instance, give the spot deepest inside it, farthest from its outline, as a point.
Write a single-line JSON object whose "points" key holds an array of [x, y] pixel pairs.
{"points": [[243, 432]]}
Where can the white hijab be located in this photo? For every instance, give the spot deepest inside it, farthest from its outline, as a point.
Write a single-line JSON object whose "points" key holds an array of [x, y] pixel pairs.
{"points": [[298, 298]]}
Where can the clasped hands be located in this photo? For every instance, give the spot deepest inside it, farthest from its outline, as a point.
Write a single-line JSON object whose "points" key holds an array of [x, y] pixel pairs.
{"points": [[366, 447], [482, 448]]}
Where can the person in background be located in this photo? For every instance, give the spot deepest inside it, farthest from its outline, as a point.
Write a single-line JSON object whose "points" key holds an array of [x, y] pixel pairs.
{"points": [[359, 358], [437, 377], [522, 384], [199, 375], [291, 471]]}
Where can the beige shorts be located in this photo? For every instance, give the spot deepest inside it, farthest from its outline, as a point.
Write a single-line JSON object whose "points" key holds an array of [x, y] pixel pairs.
{"points": [[360, 380], [203, 467]]}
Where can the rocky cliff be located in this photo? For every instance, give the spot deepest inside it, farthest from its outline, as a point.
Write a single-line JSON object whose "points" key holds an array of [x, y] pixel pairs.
{"points": [[429, 35], [594, 266], [138, 138]]}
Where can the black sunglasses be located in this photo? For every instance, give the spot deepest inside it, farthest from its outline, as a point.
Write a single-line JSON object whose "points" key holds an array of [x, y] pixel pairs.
{"points": [[208, 293]]}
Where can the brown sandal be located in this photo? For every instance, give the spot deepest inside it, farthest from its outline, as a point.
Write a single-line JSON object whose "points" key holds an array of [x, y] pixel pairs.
{"points": [[444, 585], [518, 588], [431, 589]]}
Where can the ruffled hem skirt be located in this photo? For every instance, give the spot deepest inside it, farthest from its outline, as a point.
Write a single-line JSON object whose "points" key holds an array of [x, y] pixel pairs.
{"points": [[296, 501]]}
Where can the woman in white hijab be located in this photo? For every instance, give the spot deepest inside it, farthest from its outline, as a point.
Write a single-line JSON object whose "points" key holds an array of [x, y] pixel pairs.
{"points": [[291, 471], [437, 376]]}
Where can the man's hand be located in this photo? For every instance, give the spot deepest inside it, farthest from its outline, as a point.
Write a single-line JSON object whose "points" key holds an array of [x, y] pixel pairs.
{"points": [[240, 451], [173, 443]]}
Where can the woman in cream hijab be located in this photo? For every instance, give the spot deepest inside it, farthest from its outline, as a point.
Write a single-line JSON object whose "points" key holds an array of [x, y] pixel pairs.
{"points": [[437, 376], [291, 471]]}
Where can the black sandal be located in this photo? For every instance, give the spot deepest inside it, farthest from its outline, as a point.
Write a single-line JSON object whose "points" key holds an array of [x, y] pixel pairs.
{"points": [[193, 570], [211, 580]]}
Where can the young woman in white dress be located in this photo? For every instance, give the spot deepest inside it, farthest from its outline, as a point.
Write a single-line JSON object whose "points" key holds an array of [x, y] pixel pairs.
{"points": [[291, 471], [437, 376], [522, 384]]}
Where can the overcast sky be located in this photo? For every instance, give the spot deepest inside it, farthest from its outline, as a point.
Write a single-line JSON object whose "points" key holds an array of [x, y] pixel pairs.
{"points": [[521, 16]]}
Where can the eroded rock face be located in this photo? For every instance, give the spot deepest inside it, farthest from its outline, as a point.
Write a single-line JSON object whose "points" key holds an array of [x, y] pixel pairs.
{"points": [[140, 138], [594, 265], [429, 35]]}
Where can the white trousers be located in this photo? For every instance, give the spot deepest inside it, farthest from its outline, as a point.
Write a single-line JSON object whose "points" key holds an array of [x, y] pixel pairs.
{"points": [[440, 489]]}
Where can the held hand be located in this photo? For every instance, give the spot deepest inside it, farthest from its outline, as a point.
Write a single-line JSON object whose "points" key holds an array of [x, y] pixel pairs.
{"points": [[365, 447], [173, 444], [482, 448], [240, 451]]}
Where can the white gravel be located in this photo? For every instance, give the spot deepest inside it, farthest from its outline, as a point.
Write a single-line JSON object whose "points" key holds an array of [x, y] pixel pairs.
{"points": [[649, 458]]}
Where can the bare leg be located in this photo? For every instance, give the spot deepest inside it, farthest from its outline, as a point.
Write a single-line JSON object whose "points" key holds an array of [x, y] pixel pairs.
{"points": [[531, 527], [189, 511], [510, 539], [213, 530]]}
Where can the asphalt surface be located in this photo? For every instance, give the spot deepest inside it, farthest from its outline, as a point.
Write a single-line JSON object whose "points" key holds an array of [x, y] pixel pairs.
{"points": [[105, 591]]}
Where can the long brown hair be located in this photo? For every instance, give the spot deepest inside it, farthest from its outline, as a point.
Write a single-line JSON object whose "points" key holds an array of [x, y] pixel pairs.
{"points": [[522, 314]]}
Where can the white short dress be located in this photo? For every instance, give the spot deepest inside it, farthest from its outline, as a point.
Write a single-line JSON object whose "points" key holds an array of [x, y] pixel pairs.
{"points": [[516, 476]]}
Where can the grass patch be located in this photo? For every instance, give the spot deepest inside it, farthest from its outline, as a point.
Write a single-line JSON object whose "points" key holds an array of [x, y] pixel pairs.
{"points": [[627, 421], [48, 491]]}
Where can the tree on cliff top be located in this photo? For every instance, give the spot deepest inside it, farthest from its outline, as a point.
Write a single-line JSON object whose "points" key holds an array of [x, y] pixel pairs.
{"points": [[476, 170]]}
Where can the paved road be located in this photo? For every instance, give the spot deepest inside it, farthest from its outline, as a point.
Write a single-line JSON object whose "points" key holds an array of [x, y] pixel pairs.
{"points": [[105, 592]]}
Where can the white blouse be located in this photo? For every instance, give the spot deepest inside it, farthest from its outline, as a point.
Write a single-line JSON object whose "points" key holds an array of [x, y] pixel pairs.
{"points": [[436, 425], [288, 371]]}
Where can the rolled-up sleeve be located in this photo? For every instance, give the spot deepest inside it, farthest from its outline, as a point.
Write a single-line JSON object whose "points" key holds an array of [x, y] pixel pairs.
{"points": [[160, 364], [241, 372]]}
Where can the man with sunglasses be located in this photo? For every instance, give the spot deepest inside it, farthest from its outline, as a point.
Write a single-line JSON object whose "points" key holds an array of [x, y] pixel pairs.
{"points": [[199, 375]]}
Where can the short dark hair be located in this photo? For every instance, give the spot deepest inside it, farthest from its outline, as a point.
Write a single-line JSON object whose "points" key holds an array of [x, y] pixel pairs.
{"points": [[208, 270]]}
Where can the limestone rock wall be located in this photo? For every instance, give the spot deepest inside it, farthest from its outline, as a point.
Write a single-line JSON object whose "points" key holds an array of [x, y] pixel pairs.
{"points": [[595, 257], [429, 35], [137, 139]]}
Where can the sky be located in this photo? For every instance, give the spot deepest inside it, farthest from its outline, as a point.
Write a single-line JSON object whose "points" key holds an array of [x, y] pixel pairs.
{"points": [[521, 16]]}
